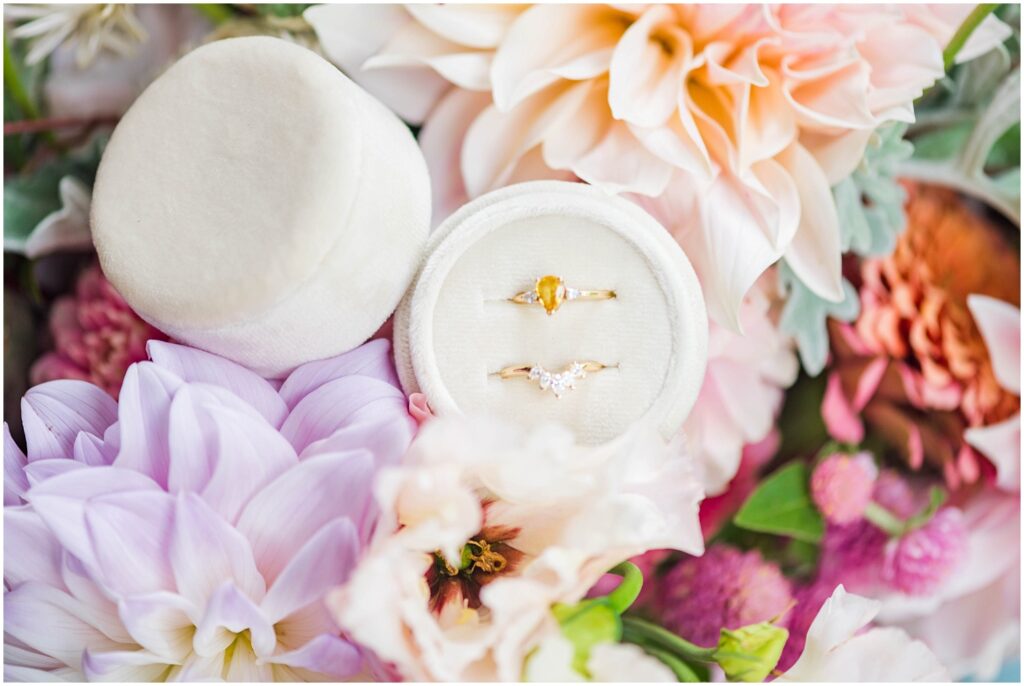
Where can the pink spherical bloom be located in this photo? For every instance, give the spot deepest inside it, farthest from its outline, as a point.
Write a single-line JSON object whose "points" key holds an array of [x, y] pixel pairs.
{"points": [[724, 589], [741, 116], [96, 336], [190, 530], [841, 486], [920, 561]]}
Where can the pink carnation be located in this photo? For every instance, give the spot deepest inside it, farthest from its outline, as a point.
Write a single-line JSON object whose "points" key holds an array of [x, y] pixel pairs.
{"points": [[724, 589], [923, 559], [96, 335], [841, 486], [190, 530]]}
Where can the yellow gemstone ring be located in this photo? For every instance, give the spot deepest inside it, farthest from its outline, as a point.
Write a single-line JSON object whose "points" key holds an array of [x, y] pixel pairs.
{"points": [[556, 382], [550, 292]]}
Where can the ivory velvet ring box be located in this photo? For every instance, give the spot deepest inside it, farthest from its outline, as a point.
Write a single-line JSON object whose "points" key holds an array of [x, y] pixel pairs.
{"points": [[458, 326]]}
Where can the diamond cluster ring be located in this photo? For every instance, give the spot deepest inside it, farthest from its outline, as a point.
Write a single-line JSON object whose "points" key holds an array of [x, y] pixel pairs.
{"points": [[556, 382], [550, 292]]}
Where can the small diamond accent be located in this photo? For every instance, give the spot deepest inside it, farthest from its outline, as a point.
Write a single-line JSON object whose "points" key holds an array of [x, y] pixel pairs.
{"points": [[559, 383], [572, 293]]}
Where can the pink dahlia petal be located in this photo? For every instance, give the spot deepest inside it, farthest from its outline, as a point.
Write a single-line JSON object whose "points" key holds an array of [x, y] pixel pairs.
{"points": [[55, 413], [228, 612], [325, 654], [372, 359], [724, 589], [143, 419], [15, 481], [920, 561], [842, 485], [196, 365], [31, 553], [61, 501], [130, 534], [323, 562], [199, 532], [122, 666], [159, 622], [93, 451], [349, 402], [222, 453], [288, 512], [52, 622], [41, 470]]}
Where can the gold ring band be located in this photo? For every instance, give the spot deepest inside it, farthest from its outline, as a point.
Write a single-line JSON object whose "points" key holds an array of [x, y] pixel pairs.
{"points": [[550, 292], [556, 382]]}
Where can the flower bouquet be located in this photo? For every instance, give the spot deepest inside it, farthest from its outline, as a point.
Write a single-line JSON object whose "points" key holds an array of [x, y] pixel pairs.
{"points": [[502, 342]]}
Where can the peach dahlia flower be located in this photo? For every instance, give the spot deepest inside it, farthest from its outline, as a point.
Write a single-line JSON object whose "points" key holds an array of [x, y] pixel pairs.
{"points": [[746, 114]]}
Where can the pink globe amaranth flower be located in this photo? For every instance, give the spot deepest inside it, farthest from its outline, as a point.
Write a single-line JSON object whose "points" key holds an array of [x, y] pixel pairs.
{"points": [[190, 530], [842, 485], [739, 117], [920, 561], [96, 335], [724, 589]]}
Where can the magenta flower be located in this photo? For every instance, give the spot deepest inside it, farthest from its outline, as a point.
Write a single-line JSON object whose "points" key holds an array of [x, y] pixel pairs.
{"points": [[920, 561], [189, 531], [96, 335], [726, 588]]}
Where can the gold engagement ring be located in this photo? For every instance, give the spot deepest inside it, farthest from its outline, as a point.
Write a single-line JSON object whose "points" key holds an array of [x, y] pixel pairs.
{"points": [[550, 292], [556, 382]]}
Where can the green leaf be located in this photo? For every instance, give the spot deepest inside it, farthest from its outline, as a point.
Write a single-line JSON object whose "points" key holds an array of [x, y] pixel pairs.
{"points": [[29, 198], [805, 317], [587, 624], [22, 94], [782, 505], [283, 9]]}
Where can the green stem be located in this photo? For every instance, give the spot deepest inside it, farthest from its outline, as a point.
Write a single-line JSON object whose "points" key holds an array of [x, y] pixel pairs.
{"points": [[13, 84], [956, 43], [884, 520], [626, 593], [636, 630], [683, 671], [217, 14]]}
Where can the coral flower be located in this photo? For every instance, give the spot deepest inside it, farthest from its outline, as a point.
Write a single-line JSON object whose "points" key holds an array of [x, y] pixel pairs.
{"points": [[916, 350], [96, 335], [745, 114], [190, 530], [485, 527]]}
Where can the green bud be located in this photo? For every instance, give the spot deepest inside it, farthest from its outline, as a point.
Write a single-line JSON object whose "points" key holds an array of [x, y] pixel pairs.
{"points": [[751, 652], [586, 624]]}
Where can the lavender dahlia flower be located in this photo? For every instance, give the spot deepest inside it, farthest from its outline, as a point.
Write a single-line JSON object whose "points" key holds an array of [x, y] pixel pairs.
{"points": [[188, 531]]}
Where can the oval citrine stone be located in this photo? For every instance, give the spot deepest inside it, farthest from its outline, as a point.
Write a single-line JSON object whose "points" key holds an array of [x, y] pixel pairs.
{"points": [[550, 292]]}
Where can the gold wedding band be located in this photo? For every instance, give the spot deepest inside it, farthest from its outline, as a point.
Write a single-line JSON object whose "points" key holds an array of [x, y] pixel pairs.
{"points": [[550, 292], [556, 382]]}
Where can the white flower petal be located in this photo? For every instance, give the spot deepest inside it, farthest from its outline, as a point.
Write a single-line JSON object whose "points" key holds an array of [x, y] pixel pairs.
{"points": [[814, 254]]}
